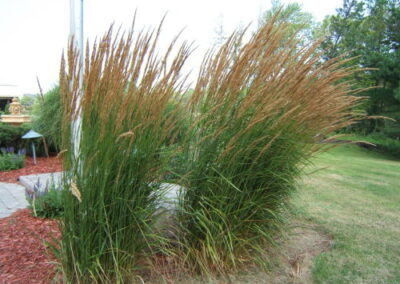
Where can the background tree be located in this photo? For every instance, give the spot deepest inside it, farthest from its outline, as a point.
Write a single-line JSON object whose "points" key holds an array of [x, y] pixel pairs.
{"points": [[27, 102], [302, 24], [370, 31]]}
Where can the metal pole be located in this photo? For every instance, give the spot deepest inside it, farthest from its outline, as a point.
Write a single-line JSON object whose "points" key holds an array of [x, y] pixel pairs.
{"points": [[33, 153], [76, 33], [76, 24]]}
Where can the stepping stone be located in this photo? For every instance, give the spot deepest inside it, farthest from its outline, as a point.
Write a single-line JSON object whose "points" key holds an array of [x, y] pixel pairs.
{"points": [[12, 198], [39, 184]]}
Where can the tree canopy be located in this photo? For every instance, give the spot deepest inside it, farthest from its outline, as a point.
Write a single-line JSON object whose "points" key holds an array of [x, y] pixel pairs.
{"points": [[370, 31], [301, 23]]}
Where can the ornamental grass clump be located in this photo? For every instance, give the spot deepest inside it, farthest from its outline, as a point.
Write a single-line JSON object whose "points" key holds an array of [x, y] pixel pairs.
{"points": [[112, 183], [258, 113]]}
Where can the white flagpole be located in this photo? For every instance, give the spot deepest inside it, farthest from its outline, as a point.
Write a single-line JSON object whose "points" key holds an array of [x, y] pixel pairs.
{"points": [[76, 33]]}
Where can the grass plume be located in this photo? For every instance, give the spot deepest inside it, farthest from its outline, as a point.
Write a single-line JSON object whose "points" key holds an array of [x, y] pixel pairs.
{"points": [[126, 90], [258, 113]]}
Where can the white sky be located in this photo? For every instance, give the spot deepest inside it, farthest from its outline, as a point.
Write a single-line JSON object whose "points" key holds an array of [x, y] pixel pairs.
{"points": [[33, 33]]}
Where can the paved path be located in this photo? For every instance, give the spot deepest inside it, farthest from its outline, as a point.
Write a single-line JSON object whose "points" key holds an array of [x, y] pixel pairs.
{"points": [[12, 198], [12, 195], [40, 183]]}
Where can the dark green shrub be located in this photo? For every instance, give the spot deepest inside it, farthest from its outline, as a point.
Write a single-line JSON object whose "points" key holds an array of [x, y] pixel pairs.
{"points": [[27, 102], [11, 161], [10, 135], [391, 146], [48, 205], [384, 143]]}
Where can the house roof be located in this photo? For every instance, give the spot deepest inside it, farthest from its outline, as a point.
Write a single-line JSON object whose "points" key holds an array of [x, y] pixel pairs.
{"points": [[9, 90]]}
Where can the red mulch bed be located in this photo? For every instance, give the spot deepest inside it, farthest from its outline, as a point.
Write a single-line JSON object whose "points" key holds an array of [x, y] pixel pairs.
{"points": [[44, 165], [23, 254]]}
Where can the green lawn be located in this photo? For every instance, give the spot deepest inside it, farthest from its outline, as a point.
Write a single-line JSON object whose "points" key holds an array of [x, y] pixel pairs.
{"points": [[352, 198], [355, 198]]}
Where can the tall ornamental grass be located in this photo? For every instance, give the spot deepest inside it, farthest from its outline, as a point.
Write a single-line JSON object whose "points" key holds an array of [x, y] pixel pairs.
{"points": [[47, 118], [258, 113], [126, 122], [236, 144]]}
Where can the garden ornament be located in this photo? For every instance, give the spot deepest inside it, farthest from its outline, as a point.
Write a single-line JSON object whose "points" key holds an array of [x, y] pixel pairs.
{"points": [[32, 135]]}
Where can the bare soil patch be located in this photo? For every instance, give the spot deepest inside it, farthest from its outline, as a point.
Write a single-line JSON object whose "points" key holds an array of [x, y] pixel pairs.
{"points": [[292, 261], [299, 251]]}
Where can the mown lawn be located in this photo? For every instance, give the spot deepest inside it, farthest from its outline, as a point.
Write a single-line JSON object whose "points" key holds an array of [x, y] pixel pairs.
{"points": [[350, 197], [354, 195]]}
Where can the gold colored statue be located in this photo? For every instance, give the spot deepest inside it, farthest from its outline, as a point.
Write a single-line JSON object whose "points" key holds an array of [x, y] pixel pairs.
{"points": [[15, 107]]}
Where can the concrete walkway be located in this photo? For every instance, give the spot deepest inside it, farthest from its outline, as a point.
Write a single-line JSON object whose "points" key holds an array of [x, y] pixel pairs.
{"points": [[39, 184], [12, 198]]}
